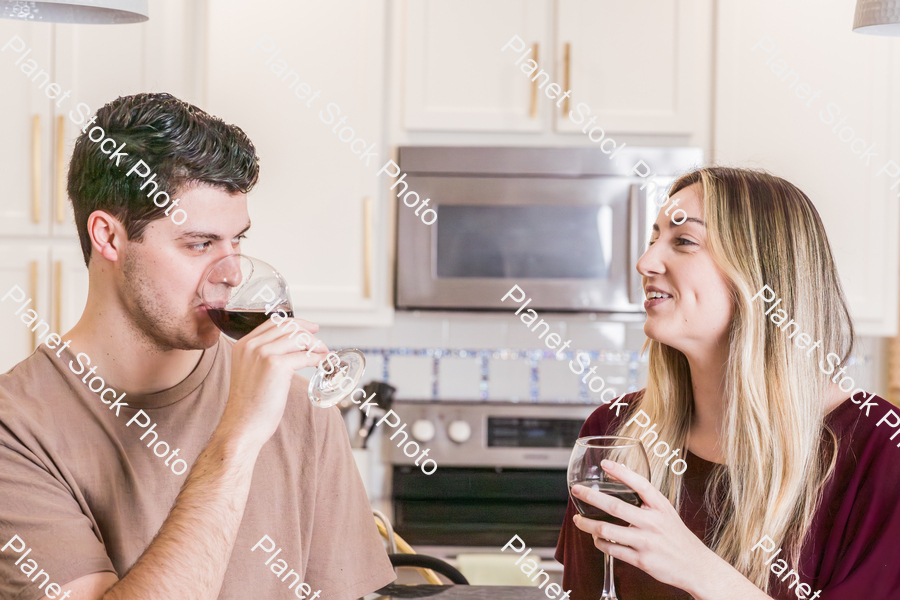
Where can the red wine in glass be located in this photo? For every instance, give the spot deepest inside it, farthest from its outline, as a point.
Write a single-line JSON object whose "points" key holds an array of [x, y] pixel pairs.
{"points": [[613, 488], [241, 293], [236, 323]]}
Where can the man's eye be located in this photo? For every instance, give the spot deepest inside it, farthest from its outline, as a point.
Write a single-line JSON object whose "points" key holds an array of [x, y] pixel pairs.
{"points": [[200, 247], [238, 239]]}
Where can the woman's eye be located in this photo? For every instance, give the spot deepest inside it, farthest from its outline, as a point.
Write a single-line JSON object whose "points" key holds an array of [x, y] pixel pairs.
{"points": [[678, 242]]}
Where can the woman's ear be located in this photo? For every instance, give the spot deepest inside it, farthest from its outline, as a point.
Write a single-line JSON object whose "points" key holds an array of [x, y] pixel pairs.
{"points": [[107, 235]]}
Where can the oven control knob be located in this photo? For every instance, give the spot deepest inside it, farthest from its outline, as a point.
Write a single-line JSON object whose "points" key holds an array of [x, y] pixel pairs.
{"points": [[459, 431], [423, 430]]}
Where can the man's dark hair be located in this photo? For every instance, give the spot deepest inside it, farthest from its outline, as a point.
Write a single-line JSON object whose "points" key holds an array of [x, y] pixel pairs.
{"points": [[181, 144]]}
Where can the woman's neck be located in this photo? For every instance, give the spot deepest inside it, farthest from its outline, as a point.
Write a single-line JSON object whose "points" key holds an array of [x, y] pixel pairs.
{"points": [[708, 387]]}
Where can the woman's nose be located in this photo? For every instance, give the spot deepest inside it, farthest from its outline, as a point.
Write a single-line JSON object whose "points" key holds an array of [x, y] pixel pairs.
{"points": [[651, 262]]}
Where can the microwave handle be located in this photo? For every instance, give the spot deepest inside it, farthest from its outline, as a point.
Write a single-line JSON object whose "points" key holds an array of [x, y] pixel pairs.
{"points": [[636, 202]]}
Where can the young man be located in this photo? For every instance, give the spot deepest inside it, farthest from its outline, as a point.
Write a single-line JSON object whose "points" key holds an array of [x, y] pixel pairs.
{"points": [[204, 472]]}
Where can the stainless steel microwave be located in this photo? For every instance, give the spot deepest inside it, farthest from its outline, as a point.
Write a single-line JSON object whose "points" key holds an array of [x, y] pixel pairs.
{"points": [[567, 225]]}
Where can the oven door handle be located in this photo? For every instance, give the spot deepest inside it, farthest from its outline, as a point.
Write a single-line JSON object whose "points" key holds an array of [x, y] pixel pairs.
{"points": [[637, 201]]}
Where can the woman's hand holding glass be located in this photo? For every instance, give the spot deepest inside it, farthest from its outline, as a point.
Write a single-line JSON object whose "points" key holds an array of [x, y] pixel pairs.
{"points": [[658, 542]]}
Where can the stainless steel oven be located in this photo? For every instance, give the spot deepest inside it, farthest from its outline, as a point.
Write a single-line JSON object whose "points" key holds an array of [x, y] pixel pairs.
{"points": [[565, 224], [501, 472]]}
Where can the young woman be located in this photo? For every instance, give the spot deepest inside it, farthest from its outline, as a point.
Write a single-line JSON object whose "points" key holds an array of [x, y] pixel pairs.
{"points": [[776, 451]]}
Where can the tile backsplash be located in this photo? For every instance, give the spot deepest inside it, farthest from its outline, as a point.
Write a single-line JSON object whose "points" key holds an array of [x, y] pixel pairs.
{"points": [[495, 356]]}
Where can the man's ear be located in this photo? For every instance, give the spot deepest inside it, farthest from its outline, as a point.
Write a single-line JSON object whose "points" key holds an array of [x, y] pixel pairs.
{"points": [[107, 235]]}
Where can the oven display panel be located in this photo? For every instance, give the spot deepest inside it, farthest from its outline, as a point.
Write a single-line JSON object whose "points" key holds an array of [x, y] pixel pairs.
{"points": [[504, 432]]}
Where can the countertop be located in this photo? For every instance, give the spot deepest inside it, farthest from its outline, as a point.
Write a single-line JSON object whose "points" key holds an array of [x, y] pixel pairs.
{"points": [[459, 592]]}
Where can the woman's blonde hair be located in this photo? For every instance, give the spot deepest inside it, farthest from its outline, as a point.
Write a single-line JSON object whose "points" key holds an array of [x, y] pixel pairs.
{"points": [[761, 230]]}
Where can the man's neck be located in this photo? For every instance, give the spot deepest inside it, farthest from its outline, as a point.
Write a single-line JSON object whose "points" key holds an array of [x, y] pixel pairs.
{"points": [[129, 361]]}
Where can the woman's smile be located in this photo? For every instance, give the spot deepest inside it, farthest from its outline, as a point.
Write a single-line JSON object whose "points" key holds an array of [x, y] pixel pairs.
{"points": [[655, 296]]}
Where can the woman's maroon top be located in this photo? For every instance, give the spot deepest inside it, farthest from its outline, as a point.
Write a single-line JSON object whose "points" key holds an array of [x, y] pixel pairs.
{"points": [[852, 551]]}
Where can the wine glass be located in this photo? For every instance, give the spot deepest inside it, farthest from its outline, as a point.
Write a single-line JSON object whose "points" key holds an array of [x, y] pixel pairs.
{"points": [[240, 293], [584, 469]]}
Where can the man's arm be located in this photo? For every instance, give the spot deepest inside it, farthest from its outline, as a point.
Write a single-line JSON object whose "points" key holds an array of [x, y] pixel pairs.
{"points": [[188, 557]]}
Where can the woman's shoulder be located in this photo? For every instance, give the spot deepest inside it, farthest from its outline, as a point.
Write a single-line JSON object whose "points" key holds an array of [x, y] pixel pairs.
{"points": [[867, 428], [859, 521], [608, 416]]}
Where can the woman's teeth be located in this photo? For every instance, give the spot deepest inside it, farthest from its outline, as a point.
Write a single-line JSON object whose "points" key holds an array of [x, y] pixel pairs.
{"points": [[652, 295]]}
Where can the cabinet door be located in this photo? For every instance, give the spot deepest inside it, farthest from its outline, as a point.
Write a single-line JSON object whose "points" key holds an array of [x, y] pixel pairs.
{"points": [[69, 285], [25, 106], [783, 87], [96, 76], [309, 210], [641, 66], [99, 63], [457, 78], [23, 275]]}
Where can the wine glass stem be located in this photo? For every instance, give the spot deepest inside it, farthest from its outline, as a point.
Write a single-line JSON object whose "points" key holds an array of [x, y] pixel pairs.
{"points": [[609, 585]]}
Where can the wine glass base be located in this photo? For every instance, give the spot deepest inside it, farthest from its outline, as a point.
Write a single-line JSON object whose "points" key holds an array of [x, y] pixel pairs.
{"points": [[328, 388]]}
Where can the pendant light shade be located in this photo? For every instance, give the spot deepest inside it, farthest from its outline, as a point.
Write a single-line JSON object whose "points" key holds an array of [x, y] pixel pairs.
{"points": [[94, 12], [877, 17]]}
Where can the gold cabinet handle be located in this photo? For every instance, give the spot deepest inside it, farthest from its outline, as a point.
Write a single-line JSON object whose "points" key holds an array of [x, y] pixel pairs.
{"points": [[534, 84], [367, 247], [36, 168], [60, 169], [34, 286], [567, 54], [57, 296]]}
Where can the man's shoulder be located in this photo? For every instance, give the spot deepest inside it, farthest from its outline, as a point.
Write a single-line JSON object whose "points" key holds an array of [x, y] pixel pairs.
{"points": [[40, 362], [30, 383], [32, 413]]}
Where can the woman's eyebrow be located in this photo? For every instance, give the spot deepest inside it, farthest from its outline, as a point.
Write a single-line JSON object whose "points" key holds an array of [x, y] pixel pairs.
{"points": [[687, 220]]}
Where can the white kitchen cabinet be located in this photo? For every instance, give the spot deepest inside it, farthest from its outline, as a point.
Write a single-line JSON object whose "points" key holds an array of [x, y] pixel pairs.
{"points": [[25, 162], [777, 116], [456, 76], [25, 265], [641, 66], [319, 212]]}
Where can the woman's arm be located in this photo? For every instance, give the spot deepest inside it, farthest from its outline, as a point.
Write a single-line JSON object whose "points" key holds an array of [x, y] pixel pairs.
{"points": [[659, 543], [721, 580]]}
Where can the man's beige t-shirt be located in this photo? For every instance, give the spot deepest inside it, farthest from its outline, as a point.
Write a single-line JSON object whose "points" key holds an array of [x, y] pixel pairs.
{"points": [[86, 494]]}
